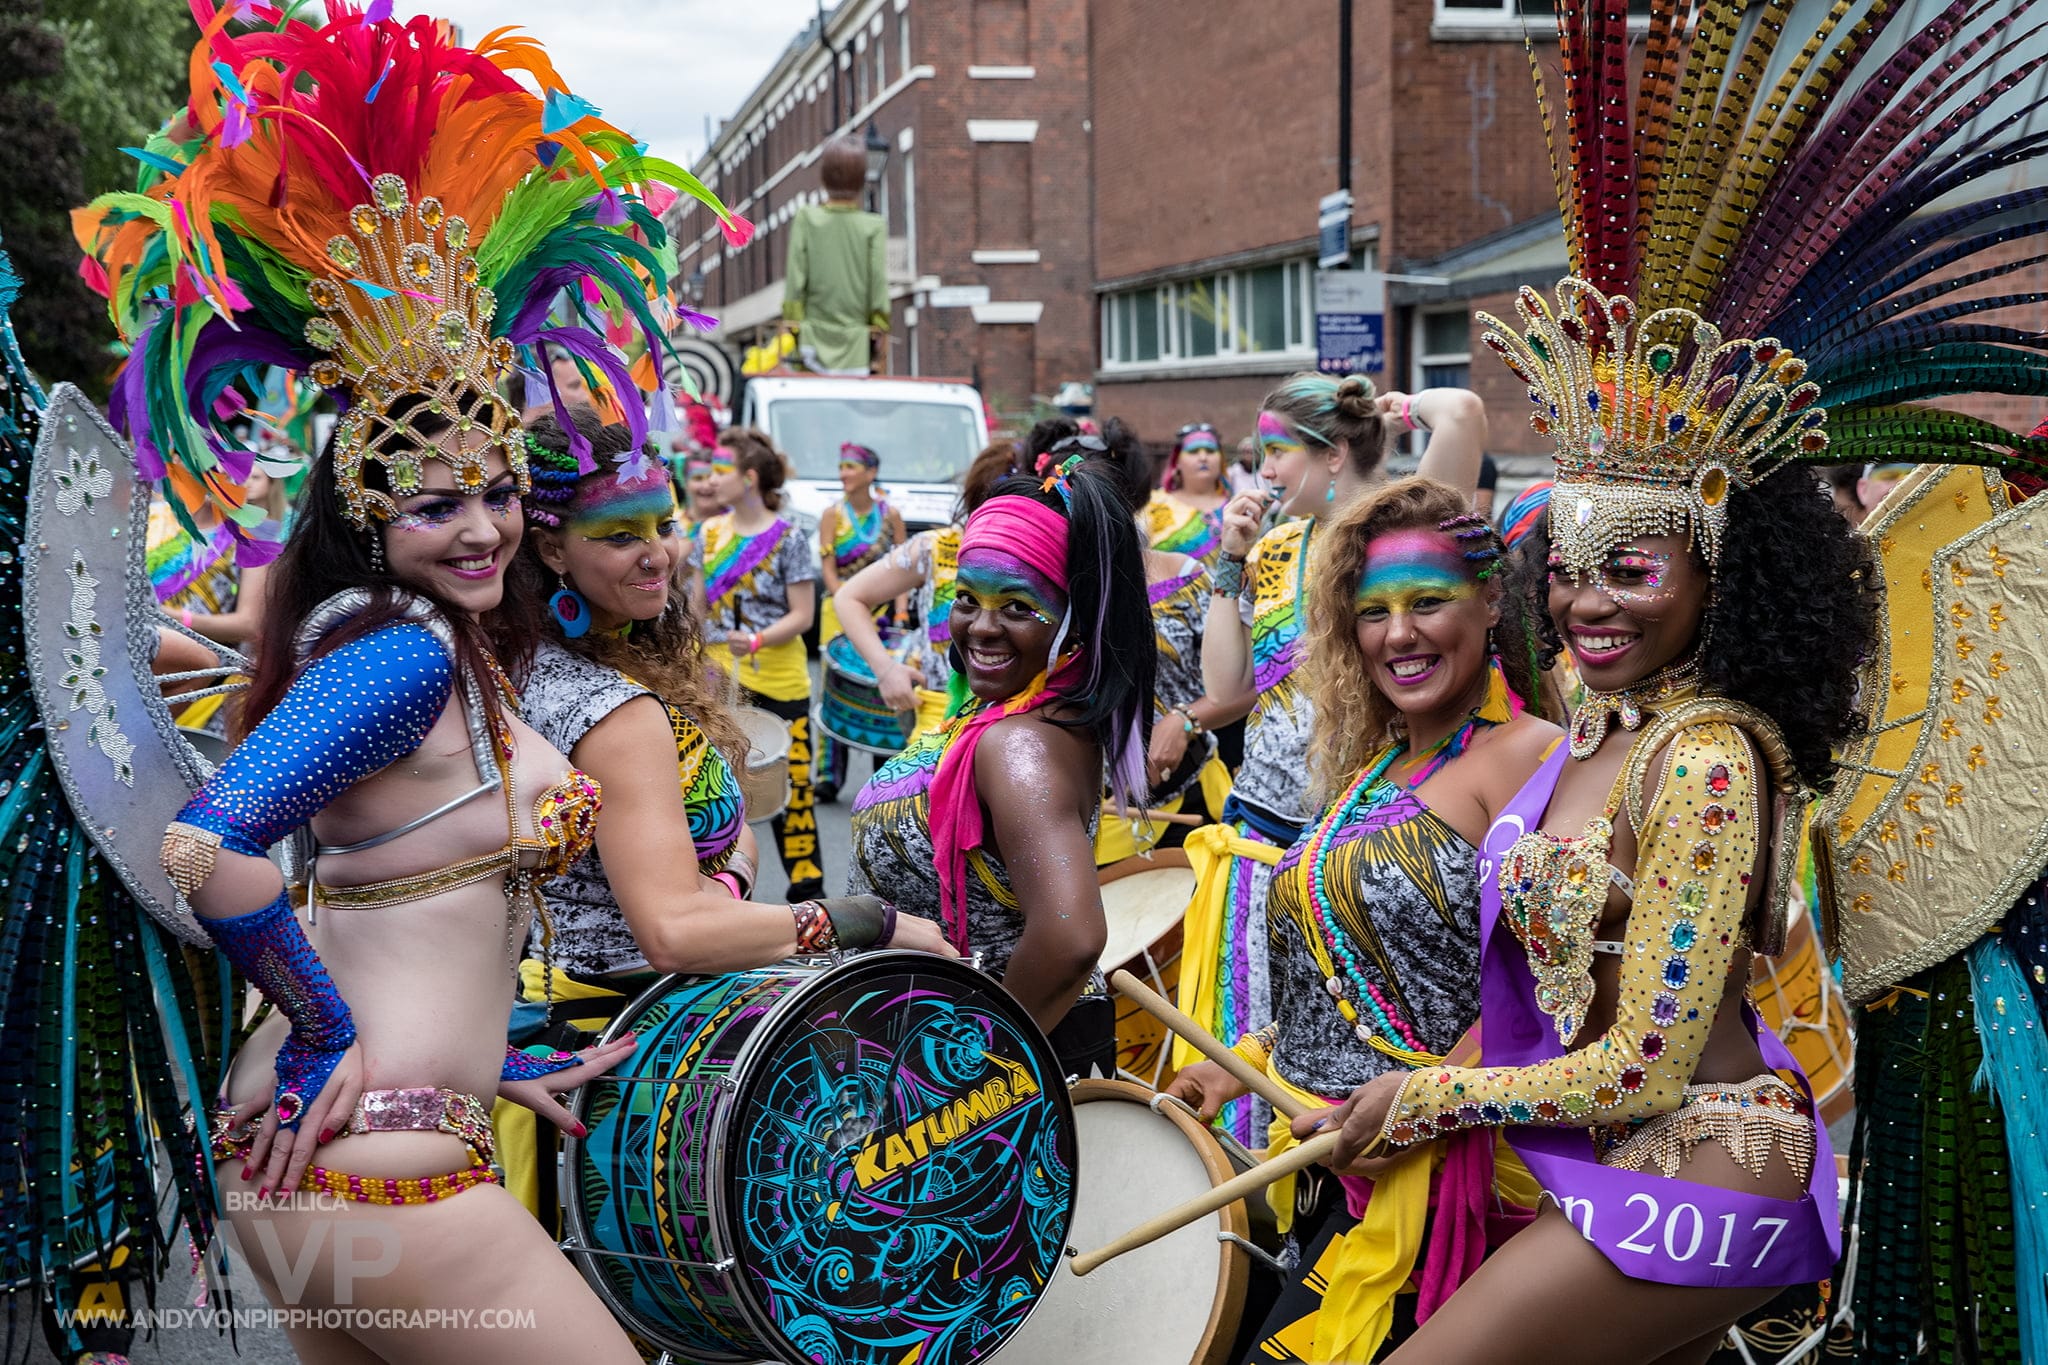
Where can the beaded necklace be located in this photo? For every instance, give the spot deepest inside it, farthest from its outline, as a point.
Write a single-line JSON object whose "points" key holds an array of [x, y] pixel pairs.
{"points": [[1329, 943]]}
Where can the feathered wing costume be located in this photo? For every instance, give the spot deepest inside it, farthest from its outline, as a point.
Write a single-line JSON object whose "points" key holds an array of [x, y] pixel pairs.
{"points": [[388, 212], [1797, 245], [111, 1026]]}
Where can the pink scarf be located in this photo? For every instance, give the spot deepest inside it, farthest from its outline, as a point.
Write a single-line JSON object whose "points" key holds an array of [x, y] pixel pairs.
{"points": [[1037, 535]]}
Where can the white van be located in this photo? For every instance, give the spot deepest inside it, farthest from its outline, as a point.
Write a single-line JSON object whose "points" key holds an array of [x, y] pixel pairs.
{"points": [[927, 431]]}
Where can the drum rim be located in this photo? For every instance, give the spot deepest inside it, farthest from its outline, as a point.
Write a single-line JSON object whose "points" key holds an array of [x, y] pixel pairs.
{"points": [[1233, 1271], [861, 744], [721, 1215], [572, 1206]]}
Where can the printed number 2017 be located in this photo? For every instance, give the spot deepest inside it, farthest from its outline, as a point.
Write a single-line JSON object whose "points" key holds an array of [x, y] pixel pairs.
{"points": [[1685, 1232]]}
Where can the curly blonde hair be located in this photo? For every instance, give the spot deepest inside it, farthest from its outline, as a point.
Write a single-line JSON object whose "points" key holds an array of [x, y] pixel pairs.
{"points": [[1354, 719]]}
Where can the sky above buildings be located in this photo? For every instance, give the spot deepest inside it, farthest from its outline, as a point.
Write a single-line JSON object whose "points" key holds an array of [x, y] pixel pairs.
{"points": [[656, 68]]}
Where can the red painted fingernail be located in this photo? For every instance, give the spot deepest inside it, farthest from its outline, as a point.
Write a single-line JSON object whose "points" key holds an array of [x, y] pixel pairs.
{"points": [[581, 1131], [263, 1193], [248, 1171], [327, 1135]]}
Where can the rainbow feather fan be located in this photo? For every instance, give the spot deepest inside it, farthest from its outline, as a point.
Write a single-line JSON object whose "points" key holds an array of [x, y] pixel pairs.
{"points": [[234, 252], [1851, 192]]}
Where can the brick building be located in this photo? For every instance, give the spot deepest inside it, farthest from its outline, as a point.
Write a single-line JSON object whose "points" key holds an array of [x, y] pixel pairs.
{"points": [[1214, 144], [1125, 191], [983, 107]]}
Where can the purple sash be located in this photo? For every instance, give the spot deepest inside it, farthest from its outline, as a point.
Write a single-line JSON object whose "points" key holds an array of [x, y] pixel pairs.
{"points": [[1652, 1227]]}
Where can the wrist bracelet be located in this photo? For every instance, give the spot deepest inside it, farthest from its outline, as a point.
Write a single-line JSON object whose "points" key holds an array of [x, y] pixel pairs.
{"points": [[814, 931], [888, 933], [1407, 411], [1189, 724], [1227, 579], [730, 883]]}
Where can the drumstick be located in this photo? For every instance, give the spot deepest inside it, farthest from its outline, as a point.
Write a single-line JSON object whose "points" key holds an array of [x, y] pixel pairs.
{"points": [[1207, 1044], [1316, 1149]]}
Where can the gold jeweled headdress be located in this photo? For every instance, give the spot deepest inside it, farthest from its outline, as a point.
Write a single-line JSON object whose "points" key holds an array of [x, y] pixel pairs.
{"points": [[1655, 419], [1716, 187], [425, 332], [394, 214]]}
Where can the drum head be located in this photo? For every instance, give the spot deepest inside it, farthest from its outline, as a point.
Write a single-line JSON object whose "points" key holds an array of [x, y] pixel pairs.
{"points": [[1175, 1302], [898, 1175], [1141, 908], [841, 655]]}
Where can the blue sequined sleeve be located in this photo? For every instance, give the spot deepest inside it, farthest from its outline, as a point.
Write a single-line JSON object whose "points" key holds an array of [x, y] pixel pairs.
{"points": [[350, 713]]}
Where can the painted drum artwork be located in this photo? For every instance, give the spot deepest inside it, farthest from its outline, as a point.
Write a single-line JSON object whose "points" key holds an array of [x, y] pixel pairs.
{"points": [[864, 1164], [852, 710]]}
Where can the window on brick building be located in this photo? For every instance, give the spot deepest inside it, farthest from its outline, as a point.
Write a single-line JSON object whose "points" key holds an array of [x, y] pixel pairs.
{"points": [[1443, 356], [1263, 310], [903, 40], [1495, 14]]}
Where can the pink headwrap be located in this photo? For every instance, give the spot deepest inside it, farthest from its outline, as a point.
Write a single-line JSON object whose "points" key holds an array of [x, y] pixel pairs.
{"points": [[1037, 535]]}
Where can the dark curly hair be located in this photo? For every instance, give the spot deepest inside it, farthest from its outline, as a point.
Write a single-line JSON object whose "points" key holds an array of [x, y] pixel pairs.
{"points": [[1526, 580], [1794, 612]]}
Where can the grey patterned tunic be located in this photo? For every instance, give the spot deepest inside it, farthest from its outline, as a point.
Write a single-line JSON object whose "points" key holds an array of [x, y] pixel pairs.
{"points": [[1404, 893]]}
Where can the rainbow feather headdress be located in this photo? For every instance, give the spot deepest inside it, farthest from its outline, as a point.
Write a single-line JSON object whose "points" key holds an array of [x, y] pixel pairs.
{"points": [[391, 213], [1742, 248]]}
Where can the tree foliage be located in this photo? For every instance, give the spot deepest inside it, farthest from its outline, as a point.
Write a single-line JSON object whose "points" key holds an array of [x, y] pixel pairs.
{"points": [[75, 88]]}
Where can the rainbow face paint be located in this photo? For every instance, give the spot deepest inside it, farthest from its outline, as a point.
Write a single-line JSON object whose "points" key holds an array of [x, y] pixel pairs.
{"points": [[992, 581], [1408, 571], [723, 460], [1200, 444], [1276, 438], [642, 509]]}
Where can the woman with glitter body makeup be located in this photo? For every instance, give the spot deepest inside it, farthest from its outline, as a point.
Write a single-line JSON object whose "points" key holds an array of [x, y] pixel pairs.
{"points": [[759, 585], [852, 534], [986, 825], [924, 568], [1417, 665], [1185, 516], [1321, 440], [380, 727], [619, 684]]}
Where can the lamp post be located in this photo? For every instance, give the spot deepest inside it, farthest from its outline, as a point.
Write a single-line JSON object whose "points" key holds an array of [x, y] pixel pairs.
{"points": [[878, 161]]}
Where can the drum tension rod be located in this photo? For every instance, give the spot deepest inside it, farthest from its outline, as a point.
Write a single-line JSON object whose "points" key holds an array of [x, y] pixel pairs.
{"points": [[1258, 1253], [576, 1248]]}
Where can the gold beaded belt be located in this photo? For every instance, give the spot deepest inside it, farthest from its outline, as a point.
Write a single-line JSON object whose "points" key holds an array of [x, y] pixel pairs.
{"points": [[399, 890]]}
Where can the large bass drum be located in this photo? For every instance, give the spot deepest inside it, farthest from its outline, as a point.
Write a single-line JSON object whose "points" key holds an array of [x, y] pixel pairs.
{"points": [[825, 1165]]}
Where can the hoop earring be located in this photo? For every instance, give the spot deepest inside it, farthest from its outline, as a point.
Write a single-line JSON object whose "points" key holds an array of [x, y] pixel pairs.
{"points": [[570, 611]]}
